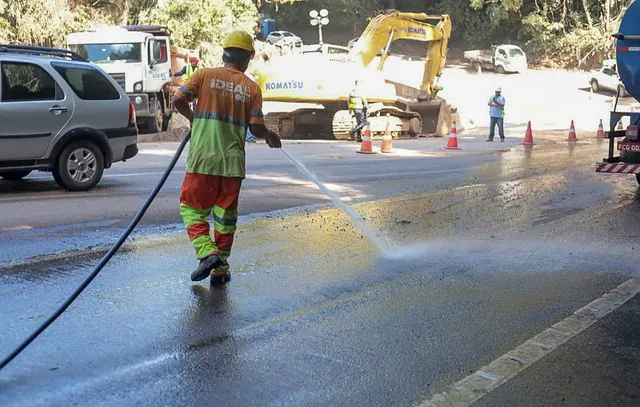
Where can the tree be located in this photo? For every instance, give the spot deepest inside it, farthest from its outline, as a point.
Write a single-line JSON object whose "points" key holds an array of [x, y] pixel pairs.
{"points": [[197, 22]]}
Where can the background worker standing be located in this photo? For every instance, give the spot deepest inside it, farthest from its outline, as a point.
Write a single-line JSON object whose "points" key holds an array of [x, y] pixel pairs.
{"points": [[358, 107], [228, 103], [189, 69], [496, 113]]}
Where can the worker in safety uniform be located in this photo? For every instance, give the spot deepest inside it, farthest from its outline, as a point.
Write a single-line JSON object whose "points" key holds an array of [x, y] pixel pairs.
{"points": [[358, 107], [496, 113], [227, 103], [189, 69]]}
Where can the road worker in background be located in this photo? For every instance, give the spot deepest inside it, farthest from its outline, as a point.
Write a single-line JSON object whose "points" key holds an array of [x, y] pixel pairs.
{"points": [[189, 69], [358, 107], [496, 114], [227, 103]]}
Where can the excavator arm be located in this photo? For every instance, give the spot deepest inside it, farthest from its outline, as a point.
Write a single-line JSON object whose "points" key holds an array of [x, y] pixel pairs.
{"points": [[386, 28]]}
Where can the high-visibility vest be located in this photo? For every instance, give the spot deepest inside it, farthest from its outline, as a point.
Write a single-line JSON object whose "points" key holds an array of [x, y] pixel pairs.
{"points": [[189, 71], [356, 102]]}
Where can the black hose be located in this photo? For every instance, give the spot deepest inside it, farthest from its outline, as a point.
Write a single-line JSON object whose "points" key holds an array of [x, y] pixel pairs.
{"points": [[105, 258]]}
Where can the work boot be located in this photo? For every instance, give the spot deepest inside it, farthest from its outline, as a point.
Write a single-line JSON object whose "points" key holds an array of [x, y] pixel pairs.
{"points": [[221, 274], [489, 139], [207, 265], [502, 139]]}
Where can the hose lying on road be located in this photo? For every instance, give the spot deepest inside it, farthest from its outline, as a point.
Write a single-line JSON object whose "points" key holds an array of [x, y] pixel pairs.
{"points": [[105, 258]]}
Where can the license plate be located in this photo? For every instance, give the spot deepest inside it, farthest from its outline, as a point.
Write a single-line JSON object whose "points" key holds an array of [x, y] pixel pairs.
{"points": [[626, 146]]}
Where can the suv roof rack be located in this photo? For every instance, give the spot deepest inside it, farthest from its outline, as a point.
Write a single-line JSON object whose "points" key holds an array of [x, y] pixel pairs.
{"points": [[155, 30], [42, 51]]}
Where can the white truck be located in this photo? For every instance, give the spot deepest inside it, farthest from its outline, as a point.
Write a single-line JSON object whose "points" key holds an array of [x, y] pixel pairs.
{"points": [[500, 58], [139, 59]]}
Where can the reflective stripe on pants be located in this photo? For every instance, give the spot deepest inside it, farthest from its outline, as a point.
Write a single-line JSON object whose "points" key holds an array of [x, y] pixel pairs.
{"points": [[204, 195]]}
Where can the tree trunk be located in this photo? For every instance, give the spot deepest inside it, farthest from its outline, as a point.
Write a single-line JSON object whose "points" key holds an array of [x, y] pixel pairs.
{"points": [[585, 6], [607, 15]]}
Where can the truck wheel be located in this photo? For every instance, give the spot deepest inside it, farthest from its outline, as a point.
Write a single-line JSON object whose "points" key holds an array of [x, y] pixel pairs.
{"points": [[594, 85], [500, 69], [155, 121], [477, 66], [14, 175], [79, 166]]}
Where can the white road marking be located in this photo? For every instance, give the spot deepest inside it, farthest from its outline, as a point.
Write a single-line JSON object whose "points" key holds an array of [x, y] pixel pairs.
{"points": [[506, 367], [160, 151]]}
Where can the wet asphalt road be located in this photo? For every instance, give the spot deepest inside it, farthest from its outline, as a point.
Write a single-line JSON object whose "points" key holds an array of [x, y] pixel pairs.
{"points": [[43, 219], [484, 259]]}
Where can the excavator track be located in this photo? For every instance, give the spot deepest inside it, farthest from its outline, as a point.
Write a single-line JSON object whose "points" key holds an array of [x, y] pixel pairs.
{"points": [[402, 124], [341, 125]]}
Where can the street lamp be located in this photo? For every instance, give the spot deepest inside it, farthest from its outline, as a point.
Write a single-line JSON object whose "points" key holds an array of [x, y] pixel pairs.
{"points": [[319, 19]]}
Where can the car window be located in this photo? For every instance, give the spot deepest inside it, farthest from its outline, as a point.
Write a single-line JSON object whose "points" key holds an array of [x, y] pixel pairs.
{"points": [[276, 34], [502, 52], [608, 71], [87, 82], [515, 52], [25, 82], [287, 34], [108, 53], [158, 52]]}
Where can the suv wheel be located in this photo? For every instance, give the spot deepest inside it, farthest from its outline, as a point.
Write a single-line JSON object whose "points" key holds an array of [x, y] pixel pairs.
{"points": [[14, 175], [155, 122], [79, 166]]}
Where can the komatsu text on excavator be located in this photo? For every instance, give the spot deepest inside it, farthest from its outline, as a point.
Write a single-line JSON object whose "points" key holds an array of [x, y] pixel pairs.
{"points": [[326, 79]]}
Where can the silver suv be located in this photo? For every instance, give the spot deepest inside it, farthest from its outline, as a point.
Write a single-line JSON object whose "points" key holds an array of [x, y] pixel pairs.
{"points": [[62, 114]]}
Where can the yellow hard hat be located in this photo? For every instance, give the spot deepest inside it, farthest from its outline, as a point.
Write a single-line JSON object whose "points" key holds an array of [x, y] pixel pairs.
{"points": [[239, 39]]}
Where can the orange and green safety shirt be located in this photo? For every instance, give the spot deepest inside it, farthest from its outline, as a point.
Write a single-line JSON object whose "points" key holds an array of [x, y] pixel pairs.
{"points": [[227, 102]]}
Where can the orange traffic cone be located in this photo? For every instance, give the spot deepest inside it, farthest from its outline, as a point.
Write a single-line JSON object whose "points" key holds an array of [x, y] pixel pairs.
{"points": [[572, 133], [528, 136], [452, 142], [367, 146], [600, 133], [387, 140]]}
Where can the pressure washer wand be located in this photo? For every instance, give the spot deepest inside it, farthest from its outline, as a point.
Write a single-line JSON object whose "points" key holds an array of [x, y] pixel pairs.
{"points": [[383, 245]]}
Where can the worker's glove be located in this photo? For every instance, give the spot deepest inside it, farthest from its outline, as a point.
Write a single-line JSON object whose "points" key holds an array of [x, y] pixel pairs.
{"points": [[273, 140]]}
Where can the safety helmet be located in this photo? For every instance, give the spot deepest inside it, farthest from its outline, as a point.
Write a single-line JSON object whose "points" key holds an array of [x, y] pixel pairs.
{"points": [[239, 39], [498, 89], [193, 60]]}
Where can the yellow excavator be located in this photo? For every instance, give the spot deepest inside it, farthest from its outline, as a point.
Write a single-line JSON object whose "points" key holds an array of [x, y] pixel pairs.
{"points": [[325, 79]]}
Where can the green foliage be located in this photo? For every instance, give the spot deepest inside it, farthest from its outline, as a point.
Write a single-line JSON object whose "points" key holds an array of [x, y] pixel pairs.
{"points": [[202, 24], [554, 32]]}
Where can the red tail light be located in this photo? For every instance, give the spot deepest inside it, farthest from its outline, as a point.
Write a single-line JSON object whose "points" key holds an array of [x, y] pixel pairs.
{"points": [[132, 114]]}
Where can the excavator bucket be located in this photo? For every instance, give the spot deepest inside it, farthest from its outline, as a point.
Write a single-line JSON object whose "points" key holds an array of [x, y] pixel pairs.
{"points": [[435, 113]]}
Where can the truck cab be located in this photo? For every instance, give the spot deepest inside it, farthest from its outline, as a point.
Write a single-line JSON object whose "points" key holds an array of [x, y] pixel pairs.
{"points": [[138, 58], [509, 58], [500, 58]]}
